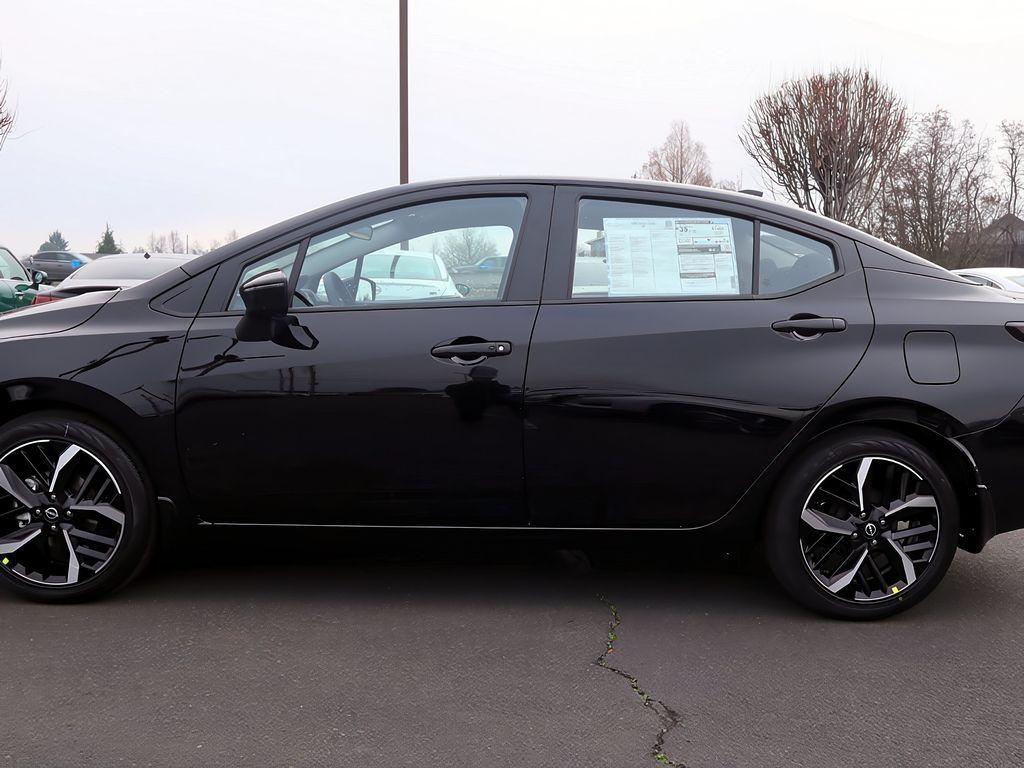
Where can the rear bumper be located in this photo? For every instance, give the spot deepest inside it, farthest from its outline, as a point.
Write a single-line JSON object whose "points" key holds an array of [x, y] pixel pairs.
{"points": [[976, 534], [998, 453]]}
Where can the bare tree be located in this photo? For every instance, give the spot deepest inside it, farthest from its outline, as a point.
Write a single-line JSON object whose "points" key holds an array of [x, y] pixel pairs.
{"points": [[174, 242], [467, 246], [940, 194], [1012, 164], [6, 114], [827, 141], [679, 159], [156, 243]]}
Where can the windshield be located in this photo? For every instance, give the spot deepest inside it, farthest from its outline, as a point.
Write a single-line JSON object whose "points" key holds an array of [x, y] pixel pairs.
{"points": [[124, 269], [10, 267]]}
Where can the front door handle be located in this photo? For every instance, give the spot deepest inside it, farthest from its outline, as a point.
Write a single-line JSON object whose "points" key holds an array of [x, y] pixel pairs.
{"points": [[471, 353], [807, 328]]}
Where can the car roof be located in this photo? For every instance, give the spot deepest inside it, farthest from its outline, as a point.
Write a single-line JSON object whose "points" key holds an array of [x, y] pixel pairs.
{"points": [[711, 195]]}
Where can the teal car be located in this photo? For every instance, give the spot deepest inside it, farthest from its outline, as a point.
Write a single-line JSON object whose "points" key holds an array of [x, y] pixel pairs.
{"points": [[17, 288]]}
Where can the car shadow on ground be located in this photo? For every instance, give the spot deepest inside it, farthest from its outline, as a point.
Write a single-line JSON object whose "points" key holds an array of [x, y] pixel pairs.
{"points": [[506, 565]]}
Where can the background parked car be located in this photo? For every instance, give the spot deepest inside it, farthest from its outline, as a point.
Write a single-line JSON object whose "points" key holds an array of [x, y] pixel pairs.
{"points": [[390, 276], [1008, 279], [484, 275], [124, 270], [56, 264], [17, 286]]}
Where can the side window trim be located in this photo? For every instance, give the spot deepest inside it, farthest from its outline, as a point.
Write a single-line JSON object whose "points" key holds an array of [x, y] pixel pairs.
{"points": [[755, 269]]}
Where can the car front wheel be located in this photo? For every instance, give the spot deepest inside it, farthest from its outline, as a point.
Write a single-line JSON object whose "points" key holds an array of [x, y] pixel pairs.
{"points": [[76, 518], [863, 526]]}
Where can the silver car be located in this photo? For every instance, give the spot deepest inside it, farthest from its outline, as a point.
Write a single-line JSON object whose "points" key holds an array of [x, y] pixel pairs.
{"points": [[1009, 279]]}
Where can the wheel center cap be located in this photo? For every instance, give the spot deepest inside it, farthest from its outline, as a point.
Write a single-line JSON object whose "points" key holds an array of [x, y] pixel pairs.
{"points": [[869, 530], [51, 514]]}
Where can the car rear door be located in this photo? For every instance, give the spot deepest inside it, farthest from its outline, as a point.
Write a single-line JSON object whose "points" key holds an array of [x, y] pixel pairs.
{"points": [[656, 395], [383, 407]]}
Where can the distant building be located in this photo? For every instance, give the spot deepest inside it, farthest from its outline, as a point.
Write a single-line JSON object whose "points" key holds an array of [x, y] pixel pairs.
{"points": [[1007, 237]]}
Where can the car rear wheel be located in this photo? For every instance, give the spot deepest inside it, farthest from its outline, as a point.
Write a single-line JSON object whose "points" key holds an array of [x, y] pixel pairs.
{"points": [[864, 526], [76, 517]]}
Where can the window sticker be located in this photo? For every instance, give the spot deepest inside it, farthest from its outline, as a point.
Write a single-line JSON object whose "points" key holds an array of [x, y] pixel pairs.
{"points": [[671, 256]]}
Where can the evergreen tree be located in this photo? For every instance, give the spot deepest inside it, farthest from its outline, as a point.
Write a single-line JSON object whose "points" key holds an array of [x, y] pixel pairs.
{"points": [[107, 244], [56, 242]]}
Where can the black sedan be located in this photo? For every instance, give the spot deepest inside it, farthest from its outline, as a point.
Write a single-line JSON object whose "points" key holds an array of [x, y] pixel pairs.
{"points": [[652, 357]]}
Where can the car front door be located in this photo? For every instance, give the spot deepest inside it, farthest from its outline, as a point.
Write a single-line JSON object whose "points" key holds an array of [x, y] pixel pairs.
{"points": [[679, 345], [397, 396]]}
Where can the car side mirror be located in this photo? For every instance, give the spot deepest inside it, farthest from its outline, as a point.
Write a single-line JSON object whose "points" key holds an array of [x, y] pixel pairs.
{"points": [[38, 277], [266, 295], [463, 288], [267, 299]]}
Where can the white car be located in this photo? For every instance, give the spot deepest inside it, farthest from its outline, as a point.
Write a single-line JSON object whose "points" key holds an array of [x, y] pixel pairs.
{"points": [[397, 276], [117, 271], [1009, 279]]}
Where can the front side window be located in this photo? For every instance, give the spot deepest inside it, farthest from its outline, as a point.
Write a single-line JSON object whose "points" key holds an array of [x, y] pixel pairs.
{"points": [[789, 261], [10, 267], [635, 249], [451, 250]]}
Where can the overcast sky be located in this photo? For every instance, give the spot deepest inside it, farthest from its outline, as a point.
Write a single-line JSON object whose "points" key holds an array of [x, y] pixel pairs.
{"points": [[208, 115]]}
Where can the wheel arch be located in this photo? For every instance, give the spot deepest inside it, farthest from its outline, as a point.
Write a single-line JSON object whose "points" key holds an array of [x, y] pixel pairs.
{"points": [[24, 397], [933, 429]]}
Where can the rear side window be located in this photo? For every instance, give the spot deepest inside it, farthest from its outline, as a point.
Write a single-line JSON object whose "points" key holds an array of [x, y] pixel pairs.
{"points": [[636, 249], [789, 261]]}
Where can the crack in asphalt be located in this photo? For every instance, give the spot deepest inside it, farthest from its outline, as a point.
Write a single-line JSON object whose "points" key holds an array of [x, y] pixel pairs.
{"points": [[667, 717]]}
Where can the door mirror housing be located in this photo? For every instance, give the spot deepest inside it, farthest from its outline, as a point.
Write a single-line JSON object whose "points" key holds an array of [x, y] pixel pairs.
{"points": [[266, 295], [38, 277], [463, 289], [267, 299]]}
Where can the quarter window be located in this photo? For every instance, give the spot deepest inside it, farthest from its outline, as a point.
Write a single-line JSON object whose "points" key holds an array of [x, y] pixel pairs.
{"points": [[634, 249], [789, 261]]}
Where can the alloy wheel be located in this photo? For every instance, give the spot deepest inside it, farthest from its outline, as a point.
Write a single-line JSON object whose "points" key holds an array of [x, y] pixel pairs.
{"points": [[869, 529], [61, 513]]}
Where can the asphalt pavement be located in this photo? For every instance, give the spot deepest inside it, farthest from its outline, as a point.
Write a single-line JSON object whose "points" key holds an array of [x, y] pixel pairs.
{"points": [[359, 648]]}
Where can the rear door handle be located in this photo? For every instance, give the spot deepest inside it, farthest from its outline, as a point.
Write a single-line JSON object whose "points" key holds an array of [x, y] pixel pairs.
{"points": [[807, 328], [471, 353]]}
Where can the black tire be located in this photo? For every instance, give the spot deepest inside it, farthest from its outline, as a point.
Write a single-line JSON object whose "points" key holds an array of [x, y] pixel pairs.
{"points": [[791, 539], [135, 499]]}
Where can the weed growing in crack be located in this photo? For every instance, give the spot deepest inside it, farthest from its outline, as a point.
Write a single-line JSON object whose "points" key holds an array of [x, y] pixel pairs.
{"points": [[667, 717]]}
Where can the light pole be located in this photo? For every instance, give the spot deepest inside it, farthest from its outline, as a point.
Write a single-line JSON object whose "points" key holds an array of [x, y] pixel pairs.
{"points": [[403, 91]]}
